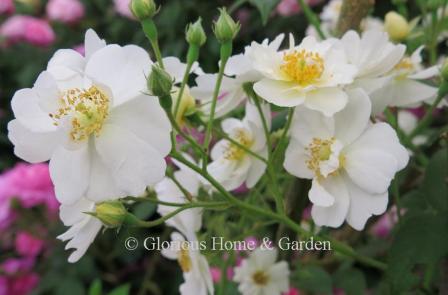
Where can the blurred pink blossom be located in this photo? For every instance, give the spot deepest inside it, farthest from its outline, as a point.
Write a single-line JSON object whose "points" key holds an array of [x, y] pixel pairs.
{"points": [[122, 8], [3, 286], [29, 29], [80, 49], [12, 266], [13, 28], [291, 7], [66, 11], [27, 245], [292, 291], [385, 224], [6, 7], [23, 284], [31, 185]]}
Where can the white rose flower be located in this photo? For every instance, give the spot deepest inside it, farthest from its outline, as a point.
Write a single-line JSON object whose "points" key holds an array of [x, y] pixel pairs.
{"points": [[351, 162], [310, 74], [232, 166], [83, 227], [195, 268], [406, 89], [103, 136], [238, 70], [260, 274], [374, 56], [189, 221]]}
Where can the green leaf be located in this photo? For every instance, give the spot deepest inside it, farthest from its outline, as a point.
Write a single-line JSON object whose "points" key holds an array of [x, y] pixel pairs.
{"points": [[70, 286], [96, 288], [313, 279], [351, 280], [434, 186], [122, 290], [420, 241], [265, 8]]}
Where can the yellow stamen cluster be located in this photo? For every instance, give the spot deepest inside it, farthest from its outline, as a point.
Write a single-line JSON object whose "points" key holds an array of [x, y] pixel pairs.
{"points": [[405, 65], [320, 150], [260, 278], [89, 109], [184, 259], [303, 67], [234, 152]]}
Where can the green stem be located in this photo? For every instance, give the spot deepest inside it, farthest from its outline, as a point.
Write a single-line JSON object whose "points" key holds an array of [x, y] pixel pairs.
{"points": [[396, 193], [281, 218], [284, 136], [182, 88], [312, 18], [226, 50], [150, 30], [181, 133], [148, 224]]}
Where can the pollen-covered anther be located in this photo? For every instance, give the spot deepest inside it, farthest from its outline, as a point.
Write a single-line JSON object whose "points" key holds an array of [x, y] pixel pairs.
{"points": [[320, 150], [260, 278], [405, 65], [88, 109], [235, 152], [184, 259], [303, 67]]}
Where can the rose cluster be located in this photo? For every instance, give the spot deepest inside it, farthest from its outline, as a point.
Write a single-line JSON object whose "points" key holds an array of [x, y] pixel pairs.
{"points": [[108, 119]]}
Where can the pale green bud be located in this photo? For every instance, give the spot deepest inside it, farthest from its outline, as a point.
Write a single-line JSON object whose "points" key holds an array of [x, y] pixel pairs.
{"points": [[225, 28], [195, 34], [143, 9], [112, 214]]}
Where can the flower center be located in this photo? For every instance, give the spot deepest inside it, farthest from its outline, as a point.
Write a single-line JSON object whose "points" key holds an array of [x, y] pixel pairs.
{"points": [[234, 152], [303, 67], [405, 66], [260, 278], [89, 109], [325, 157], [184, 259]]}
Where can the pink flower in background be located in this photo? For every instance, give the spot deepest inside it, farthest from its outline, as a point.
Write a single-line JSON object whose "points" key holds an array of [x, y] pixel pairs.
{"points": [[66, 11], [292, 291], [27, 245], [31, 185], [3, 286], [385, 224], [80, 49], [23, 284], [291, 7], [122, 8], [29, 29], [6, 7], [12, 266], [39, 32], [13, 29]]}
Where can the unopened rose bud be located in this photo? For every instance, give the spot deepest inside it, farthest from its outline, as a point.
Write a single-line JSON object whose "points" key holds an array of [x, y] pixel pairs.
{"points": [[396, 26], [143, 9], [225, 28], [112, 214], [160, 84], [195, 34]]}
